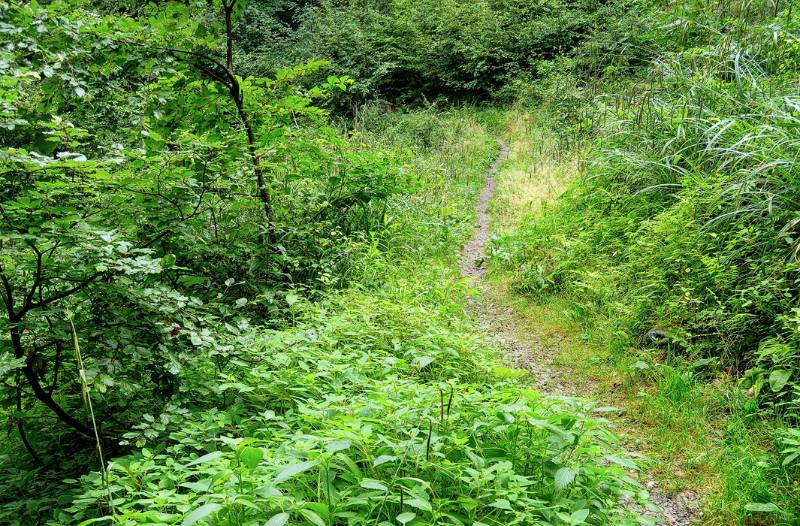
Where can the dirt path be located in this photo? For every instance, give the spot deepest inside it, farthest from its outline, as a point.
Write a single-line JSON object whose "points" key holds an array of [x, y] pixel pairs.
{"points": [[528, 352]]}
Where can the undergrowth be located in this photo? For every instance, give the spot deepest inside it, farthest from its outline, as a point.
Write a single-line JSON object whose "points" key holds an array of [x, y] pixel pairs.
{"points": [[378, 408], [675, 247], [379, 404]]}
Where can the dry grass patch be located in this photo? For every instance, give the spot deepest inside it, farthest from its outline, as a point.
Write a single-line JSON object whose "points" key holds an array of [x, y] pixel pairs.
{"points": [[534, 173]]}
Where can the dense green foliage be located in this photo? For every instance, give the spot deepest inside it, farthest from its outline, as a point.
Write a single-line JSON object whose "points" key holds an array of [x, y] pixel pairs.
{"points": [[409, 51], [158, 215], [227, 256], [379, 407], [218, 307], [688, 210], [677, 243]]}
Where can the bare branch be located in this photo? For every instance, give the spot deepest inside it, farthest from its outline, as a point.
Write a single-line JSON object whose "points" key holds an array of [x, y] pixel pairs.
{"points": [[62, 294], [228, 9], [21, 426], [37, 280], [8, 296]]}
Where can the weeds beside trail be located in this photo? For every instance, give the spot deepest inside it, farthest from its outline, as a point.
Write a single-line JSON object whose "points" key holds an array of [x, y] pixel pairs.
{"points": [[693, 427], [382, 404], [674, 249]]}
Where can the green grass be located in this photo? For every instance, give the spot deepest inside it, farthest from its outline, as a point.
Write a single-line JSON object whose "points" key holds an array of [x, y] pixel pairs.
{"points": [[694, 421]]}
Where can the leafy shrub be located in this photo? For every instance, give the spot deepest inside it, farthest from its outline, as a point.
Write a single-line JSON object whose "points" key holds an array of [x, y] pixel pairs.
{"points": [[374, 409], [157, 207], [412, 51]]}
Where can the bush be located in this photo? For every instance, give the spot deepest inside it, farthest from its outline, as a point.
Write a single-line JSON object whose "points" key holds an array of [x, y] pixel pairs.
{"points": [[414, 51], [375, 408]]}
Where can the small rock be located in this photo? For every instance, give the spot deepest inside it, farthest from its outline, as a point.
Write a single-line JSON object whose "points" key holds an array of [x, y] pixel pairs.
{"points": [[657, 336]]}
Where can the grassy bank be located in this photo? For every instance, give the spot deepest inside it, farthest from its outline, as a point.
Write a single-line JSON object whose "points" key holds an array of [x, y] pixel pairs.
{"points": [[696, 423]]}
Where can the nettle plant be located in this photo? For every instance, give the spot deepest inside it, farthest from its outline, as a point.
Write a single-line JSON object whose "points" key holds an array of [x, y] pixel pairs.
{"points": [[373, 411], [149, 204]]}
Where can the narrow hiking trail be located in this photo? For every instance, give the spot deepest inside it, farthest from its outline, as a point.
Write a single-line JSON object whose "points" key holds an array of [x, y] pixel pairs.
{"points": [[525, 349]]}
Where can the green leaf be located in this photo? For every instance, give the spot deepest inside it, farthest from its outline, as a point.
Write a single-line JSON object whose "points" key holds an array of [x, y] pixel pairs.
{"points": [[563, 478], [373, 484], [423, 361], [195, 338], [406, 517], [579, 517], [762, 507], [419, 504], [352, 467], [294, 469], [383, 459], [312, 517], [502, 504], [278, 520], [320, 509], [250, 456], [201, 513], [622, 462], [214, 455], [778, 379], [789, 459], [168, 261], [198, 487], [94, 520], [338, 445]]}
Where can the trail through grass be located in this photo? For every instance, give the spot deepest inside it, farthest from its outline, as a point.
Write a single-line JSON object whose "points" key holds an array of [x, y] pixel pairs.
{"points": [[383, 404], [527, 180]]}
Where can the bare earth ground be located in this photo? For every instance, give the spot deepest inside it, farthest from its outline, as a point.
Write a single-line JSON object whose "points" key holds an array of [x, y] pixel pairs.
{"points": [[528, 352]]}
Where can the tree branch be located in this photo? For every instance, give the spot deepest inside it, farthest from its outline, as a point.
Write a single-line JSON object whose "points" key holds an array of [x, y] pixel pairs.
{"points": [[61, 295], [33, 380], [21, 427], [8, 295], [56, 367], [228, 9], [37, 280]]}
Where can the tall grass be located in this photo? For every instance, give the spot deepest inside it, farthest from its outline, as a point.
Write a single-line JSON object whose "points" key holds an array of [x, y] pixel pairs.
{"points": [[685, 224], [691, 198]]}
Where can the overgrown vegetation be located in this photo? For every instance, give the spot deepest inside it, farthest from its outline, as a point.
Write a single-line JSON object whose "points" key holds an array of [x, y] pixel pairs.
{"points": [[436, 51], [222, 308], [227, 257], [154, 230], [677, 242]]}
